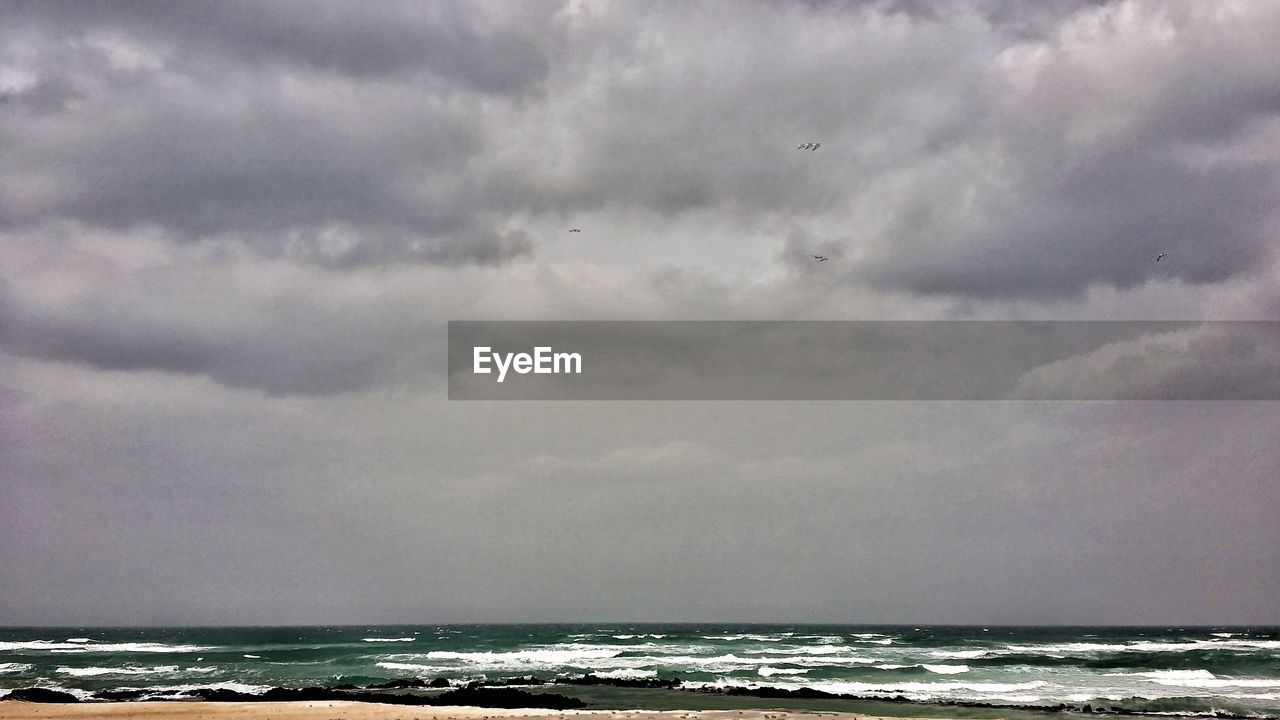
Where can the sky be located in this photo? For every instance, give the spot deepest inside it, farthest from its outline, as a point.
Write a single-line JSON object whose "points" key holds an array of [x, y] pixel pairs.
{"points": [[233, 233]]}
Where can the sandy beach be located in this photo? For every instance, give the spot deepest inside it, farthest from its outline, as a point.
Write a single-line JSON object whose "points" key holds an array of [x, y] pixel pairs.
{"points": [[20, 710]]}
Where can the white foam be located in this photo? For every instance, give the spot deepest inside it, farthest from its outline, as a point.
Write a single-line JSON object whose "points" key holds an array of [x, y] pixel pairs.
{"points": [[913, 690], [253, 657], [958, 654], [1249, 644], [1199, 679], [1220, 682], [173, 690], [1148, 646], [401, 639], [626, 673], [54, 646], [1068, 647], [15, 667], [552, 657], [413, 667], [1013, 698], [823, 660], [812, 650], [1172, 674], [938, 669], [78, 692], [946, 669], [95, 671], [854, 688], [769, 670], [731, 659]]}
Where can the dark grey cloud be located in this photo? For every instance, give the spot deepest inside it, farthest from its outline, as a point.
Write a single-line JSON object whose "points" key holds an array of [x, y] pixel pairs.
{"points": [[128, 116], [454, 41], [281, 178], [279, 345], [970, 149], [1088, 167]]}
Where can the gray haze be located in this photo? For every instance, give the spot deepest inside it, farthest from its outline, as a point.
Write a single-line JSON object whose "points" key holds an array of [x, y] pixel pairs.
{"points": [[232, 233]]}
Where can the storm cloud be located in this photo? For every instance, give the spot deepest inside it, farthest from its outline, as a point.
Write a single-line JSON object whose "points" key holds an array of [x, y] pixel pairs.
{"points": [[233, 233], [962, 154]]}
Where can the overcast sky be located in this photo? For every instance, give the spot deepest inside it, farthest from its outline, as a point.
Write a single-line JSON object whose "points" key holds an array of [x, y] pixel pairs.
{"points": [[232, 233]]}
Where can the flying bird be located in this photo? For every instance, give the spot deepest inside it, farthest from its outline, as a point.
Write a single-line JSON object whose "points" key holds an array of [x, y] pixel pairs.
{"points": [[820, 258], [1161, 255], [816, 146], [575, 229], [808, 146]]}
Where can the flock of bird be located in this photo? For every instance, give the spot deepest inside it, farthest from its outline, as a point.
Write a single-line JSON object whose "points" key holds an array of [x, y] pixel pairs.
{"points": [[823, 258]]}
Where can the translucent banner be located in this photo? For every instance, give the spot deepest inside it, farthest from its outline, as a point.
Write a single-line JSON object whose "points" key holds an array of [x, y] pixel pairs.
{"points": [[798, 360]]}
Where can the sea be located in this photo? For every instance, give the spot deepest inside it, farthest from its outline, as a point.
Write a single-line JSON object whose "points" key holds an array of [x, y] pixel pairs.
{"points": [[1166, 671]]}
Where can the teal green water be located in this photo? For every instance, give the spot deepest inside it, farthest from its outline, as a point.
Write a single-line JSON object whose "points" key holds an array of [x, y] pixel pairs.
{"points": [[1169, 670]]}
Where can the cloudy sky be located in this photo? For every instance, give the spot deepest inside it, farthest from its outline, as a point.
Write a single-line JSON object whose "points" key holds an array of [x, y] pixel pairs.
{"points": [[232, 234]]}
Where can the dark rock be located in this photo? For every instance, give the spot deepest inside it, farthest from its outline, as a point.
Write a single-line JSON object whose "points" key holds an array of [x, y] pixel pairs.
{"points": [[772, 692], [502, 682], [118, 695], [590, 679], [42, 695], [307, 694], [501, 697], [219, 695], [399, 683], [506, 698]]}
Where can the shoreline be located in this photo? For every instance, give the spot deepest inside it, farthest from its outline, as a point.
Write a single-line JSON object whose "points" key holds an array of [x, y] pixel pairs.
{"points": [[349, 710], [500, 700], [635, 700], [961, 673]]}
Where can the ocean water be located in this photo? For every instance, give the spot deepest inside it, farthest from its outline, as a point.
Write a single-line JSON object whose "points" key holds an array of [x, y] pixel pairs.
{"points": [[1150, 670]]}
